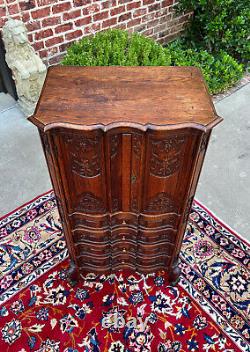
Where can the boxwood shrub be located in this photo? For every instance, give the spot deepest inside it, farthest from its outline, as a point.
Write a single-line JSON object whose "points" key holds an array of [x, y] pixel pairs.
{"points": [[219, 25], [220, 71], [117, 47]]}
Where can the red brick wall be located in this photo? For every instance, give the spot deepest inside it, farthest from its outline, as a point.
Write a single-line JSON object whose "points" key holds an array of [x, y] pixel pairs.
{"points": [[54, 24]]}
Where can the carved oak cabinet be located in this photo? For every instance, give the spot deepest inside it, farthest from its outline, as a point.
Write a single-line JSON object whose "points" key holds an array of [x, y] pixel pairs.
{"points": [[124, 147]]}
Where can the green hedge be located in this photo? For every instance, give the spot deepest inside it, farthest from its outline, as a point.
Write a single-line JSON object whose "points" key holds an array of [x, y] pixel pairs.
{"points": [[221, 71], [219, 25], [117, 47]]}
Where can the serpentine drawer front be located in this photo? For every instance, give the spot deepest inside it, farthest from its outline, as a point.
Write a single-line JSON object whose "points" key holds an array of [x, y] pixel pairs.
{"points": [[124, 148]]}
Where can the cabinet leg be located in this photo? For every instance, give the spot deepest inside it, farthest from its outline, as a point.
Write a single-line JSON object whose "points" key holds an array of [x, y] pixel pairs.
{"points": [[174, 274], [73, 274]]}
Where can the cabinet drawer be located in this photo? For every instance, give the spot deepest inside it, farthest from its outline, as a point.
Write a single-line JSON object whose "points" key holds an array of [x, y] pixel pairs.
{"points": [[146, 236], [155, 249], [91, 236], [124, 219], [118, 235], [95, 261], [92, 249], [159, 221], [123, 247], [123, 259], [159, 260], [93, 222]]}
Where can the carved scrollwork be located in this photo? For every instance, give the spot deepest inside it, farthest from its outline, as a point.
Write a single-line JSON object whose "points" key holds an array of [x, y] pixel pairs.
{"points": [[114, 143], [115, 204], [84, 155], [137, 140], [166, 156], [188, 208], [89, 203], [60, 208], [161, 202], [134, 204], [204, 142], [46, 143], [137, 145]]}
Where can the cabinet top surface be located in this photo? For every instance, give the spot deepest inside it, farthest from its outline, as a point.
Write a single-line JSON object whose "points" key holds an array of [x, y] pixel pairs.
{"points": [[137, 95]]}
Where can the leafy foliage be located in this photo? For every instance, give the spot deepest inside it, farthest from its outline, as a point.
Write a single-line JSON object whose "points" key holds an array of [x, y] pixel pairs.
{"points": [[219, 25], [220, 71], [117, 47]]}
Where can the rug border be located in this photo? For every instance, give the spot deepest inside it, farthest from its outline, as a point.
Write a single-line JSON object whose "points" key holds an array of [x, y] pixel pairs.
{"points": [[25, 204], [227, 227], [212, 313]]}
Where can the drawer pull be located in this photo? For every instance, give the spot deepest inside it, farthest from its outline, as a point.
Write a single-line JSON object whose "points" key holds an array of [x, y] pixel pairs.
{"points": [[124, 250], [123, 238], [124, 222]]}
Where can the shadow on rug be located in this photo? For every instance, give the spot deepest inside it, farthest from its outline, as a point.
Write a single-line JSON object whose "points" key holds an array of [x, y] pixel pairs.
{"points": [[126, 312]]}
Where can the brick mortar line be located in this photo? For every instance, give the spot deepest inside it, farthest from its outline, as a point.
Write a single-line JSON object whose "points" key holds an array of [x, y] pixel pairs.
{"points": [[71, 20], [50, 6], [69, 41], [65, 41]]}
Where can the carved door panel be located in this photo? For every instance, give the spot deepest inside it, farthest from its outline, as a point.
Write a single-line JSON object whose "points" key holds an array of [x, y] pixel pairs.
{"points": [[168, 169], [125, 151], [125, 154], [82, 169]]}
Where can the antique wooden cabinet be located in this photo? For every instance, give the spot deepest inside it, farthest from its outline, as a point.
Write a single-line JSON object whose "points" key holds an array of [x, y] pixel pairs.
{"points": [[124, 147]]}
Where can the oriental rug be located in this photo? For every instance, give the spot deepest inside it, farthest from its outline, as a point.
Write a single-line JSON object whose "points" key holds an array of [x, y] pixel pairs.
{"points": [[124, 312]]}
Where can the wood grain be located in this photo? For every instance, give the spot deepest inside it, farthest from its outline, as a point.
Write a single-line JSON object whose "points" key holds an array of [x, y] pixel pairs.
{"points": [[98, 95]]}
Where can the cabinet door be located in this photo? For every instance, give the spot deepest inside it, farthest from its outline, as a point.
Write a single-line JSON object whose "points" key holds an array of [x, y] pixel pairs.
{"points": [[170, 160], [80, 158]]}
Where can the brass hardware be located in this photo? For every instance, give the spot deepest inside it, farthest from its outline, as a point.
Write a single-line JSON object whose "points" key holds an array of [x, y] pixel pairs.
{"points": [[133, 178], [124, 250], [123, 238]]}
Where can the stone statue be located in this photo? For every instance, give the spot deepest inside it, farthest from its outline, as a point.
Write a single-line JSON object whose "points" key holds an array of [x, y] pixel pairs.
{"points": [[27, 68]]}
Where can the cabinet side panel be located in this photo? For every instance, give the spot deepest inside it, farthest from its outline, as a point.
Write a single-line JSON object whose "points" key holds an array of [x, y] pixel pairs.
{"points": [[50, 155], [199, 156]]}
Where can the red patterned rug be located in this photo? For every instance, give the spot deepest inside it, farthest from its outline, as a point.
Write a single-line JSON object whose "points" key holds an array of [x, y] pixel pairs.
{"points": [[126, 312]]}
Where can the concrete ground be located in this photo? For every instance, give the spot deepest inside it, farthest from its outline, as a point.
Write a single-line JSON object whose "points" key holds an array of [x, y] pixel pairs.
{"points": [[224, 184]]}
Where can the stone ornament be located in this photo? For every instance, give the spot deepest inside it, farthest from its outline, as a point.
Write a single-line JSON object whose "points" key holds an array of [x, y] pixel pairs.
{"points": [[27, 68]]}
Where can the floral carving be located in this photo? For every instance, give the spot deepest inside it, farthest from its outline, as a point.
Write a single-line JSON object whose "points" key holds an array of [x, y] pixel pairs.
{"points": [[85, 155], [134, 204], [137, 140], [161, 202], [89, 203], [114, 143], [115, 204], [166, 155], [188, 208], [204, 142]]}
